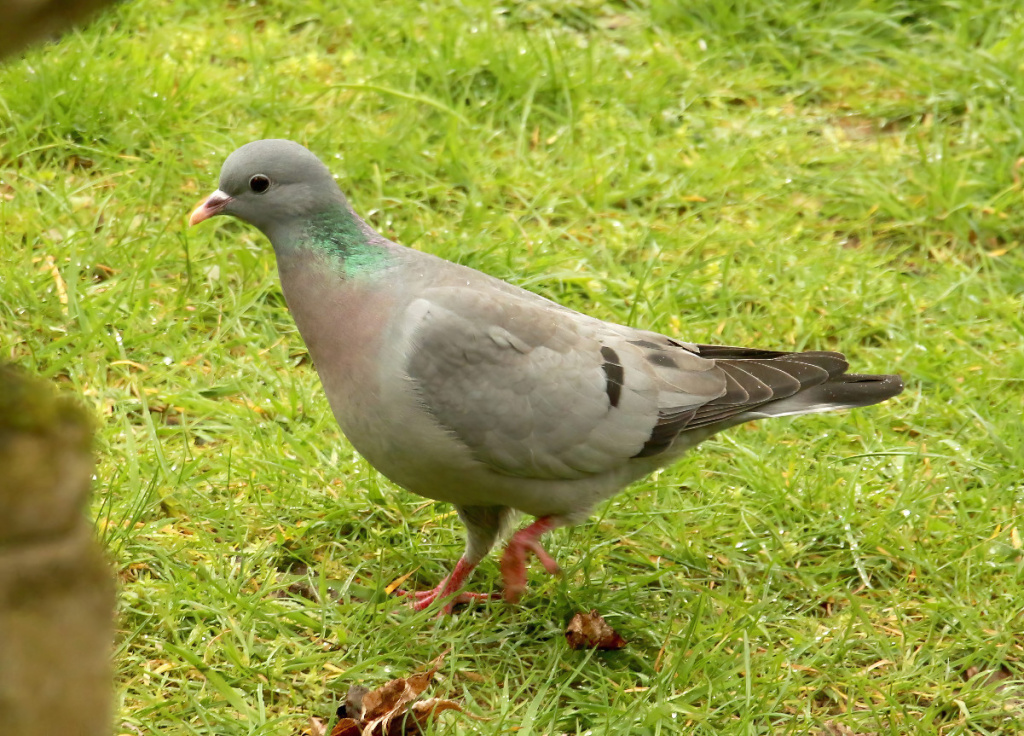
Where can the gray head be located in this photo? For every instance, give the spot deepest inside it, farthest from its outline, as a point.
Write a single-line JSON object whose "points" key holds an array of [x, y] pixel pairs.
{"points": [[270, 184]]}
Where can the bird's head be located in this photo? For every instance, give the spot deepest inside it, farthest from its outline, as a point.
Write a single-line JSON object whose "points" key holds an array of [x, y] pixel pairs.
{"points": [[271, 183]]}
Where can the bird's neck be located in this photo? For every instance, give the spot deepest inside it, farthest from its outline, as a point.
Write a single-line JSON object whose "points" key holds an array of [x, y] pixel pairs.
{"points": [[341, 240]]}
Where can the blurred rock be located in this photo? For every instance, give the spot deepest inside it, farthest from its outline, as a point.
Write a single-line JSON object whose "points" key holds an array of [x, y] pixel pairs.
{"points": [[56, 591], [25, 21]]}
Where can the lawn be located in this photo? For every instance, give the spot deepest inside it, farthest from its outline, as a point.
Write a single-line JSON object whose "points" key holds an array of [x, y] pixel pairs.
{"points": [[787, 174]]}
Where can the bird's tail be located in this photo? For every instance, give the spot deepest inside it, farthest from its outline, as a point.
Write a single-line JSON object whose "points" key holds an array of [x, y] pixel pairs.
{"points": [[844, 391]]}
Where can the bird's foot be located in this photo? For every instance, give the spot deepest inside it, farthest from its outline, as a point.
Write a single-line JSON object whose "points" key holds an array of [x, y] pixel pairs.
{"points": [[513, 562], [446, 589], [423, 598]]}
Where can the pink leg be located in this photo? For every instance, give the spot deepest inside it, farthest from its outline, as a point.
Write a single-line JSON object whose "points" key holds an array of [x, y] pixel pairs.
{"points": [[513, 562], [448, 587]]}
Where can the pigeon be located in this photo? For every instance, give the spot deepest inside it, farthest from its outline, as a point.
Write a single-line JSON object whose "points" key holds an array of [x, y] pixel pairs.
{"points": [[466, 389]]}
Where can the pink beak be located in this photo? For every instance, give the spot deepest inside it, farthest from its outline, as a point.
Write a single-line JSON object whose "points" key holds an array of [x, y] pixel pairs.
{"points": [[212, 205]]}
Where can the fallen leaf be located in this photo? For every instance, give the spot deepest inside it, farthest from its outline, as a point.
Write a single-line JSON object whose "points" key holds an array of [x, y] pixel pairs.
{"points": [[346, 727], [393, 708], [392, 696], [591, 631], [426, 709]]}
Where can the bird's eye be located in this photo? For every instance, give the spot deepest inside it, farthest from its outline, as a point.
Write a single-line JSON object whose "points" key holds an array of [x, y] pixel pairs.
{"points": [[259, 183]]}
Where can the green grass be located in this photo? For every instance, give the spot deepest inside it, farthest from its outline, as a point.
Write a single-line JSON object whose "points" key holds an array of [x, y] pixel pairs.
{"points": [[786, 173]]}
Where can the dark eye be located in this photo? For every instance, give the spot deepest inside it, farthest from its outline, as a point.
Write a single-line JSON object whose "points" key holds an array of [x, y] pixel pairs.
{"points": [[259, 183]]}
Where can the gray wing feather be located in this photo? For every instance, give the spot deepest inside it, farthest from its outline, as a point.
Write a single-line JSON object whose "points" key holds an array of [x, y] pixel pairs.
{"points": [[529, 388]]}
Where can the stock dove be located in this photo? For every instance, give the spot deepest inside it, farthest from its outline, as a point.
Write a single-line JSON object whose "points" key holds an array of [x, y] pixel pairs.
{"points": [[466, 389]]}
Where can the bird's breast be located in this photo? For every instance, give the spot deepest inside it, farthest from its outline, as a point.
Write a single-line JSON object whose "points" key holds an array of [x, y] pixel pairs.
{"points": [[342, 321]]}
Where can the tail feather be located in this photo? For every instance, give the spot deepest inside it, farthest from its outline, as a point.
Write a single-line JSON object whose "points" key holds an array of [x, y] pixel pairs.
{"points": [[768, 383], [845, 391]]}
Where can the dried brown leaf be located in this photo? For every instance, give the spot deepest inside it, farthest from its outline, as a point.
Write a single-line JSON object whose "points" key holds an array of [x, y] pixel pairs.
{"points": [[424, 709], [392, 709], [413, 721], [346, 727], [591, 631], [418, 683], [385, 699], [392, 697]]}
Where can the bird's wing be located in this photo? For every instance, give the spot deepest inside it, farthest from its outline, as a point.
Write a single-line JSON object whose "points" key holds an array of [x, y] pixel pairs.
{"points": [[540, 391]]}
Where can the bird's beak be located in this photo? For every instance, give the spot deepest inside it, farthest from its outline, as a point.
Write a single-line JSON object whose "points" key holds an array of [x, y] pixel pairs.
{"points": [[212, 205]]}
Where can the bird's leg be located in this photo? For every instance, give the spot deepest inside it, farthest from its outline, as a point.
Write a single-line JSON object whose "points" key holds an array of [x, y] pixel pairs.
{"points": [[513, 562], [484, 525], [448, 587]]}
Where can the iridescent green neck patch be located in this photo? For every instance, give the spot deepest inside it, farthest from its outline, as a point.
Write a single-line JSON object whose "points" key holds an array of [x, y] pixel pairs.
{"points": [[338, 235]]}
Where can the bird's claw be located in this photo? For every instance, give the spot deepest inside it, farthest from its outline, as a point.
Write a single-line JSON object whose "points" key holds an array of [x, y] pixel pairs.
{"points": [[422, 599], [513, 562], [447, 588]]}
